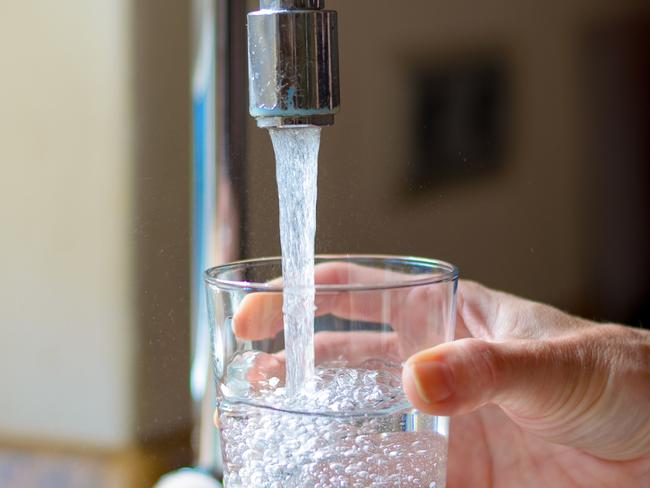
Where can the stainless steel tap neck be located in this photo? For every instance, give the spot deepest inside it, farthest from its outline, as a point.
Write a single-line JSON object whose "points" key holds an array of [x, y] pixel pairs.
{"points": [[293, 63], [292, 4]]}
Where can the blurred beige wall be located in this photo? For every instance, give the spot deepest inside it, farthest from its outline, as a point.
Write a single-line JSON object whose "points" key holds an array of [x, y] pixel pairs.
{"points": [[94, 224], [66, 292]]}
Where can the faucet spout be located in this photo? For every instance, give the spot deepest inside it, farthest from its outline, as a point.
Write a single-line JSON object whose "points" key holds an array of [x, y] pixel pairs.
{"points": [[293, 63]]}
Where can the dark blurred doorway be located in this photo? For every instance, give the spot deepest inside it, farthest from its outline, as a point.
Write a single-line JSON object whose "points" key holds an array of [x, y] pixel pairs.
{"points": [[618, 148]]}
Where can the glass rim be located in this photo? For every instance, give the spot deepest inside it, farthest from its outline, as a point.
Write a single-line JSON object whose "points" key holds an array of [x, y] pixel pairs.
{"points": [[445, 273]]}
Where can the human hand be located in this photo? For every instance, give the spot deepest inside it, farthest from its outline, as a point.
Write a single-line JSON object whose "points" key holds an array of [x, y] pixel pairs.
{"points": [[555, 400]]}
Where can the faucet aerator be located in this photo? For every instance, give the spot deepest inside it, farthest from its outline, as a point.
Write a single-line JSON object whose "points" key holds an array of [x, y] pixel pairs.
{"points": [[293, 66]]}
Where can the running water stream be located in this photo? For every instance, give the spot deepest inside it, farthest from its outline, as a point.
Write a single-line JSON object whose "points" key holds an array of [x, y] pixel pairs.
{"points": [[296, 154]]}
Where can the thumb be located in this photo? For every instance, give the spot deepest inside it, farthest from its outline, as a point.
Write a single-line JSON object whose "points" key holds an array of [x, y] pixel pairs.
{"points": [[529, 379], [455, 377], [588, 389]]}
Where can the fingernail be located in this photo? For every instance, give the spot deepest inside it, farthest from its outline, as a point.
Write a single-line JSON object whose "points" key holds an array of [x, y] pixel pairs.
{"points": [[432, 380]]}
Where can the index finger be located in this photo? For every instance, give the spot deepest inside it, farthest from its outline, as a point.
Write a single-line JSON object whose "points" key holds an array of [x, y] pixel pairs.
{"points": [[259, 315]]}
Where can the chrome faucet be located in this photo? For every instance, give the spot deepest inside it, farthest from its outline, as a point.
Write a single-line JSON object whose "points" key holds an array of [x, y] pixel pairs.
{"points": [[293, 65]]}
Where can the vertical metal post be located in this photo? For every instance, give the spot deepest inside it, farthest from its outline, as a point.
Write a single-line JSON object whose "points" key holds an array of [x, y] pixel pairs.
{"points": [[219, 112]]}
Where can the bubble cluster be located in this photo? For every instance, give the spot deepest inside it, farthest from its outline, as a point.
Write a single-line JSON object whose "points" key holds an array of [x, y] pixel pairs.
{"points": [[364, 435], [372, 386]]}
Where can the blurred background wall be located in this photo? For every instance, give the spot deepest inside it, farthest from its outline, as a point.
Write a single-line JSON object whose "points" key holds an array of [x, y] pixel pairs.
{"points": [[94, 219], [547, 164], [508, 137]]}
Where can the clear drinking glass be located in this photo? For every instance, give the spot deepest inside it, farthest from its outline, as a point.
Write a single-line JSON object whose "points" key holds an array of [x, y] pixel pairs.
{"points": [[351, 424]]}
